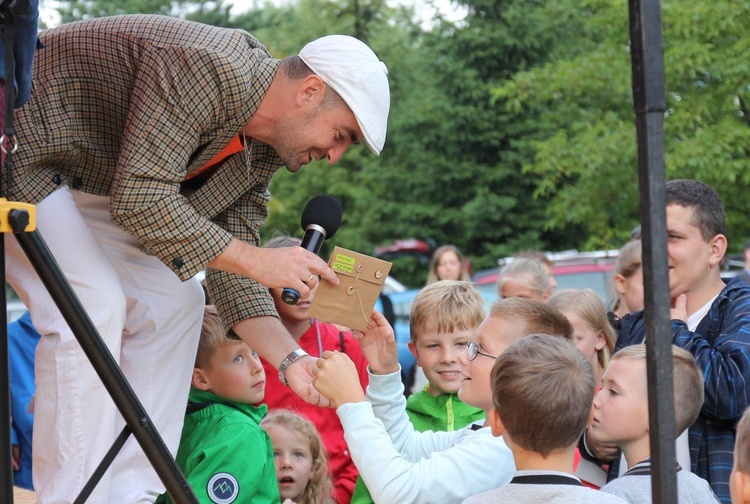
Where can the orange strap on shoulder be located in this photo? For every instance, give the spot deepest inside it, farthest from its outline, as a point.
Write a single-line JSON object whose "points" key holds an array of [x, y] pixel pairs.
{"points": [[233, 147]]}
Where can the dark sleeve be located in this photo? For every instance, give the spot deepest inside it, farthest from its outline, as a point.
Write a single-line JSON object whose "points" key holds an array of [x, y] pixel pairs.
{"points": [[724, 361]]}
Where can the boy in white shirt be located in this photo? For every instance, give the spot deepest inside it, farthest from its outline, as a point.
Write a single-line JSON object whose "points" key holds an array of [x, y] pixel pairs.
{"points": [[399, 464]]}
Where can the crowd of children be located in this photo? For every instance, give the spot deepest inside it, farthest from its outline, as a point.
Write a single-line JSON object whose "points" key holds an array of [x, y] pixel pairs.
{"points": [[513, 399]]}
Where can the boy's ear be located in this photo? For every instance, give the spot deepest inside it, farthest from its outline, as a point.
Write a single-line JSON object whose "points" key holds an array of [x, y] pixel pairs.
{"points": [[200, 380], [414, 352], [496, 424], [718, 249]]}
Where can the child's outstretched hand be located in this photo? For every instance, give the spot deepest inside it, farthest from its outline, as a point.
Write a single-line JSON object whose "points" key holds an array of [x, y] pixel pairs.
{"points": [[300, 377], [337, 380], [378, 345]]}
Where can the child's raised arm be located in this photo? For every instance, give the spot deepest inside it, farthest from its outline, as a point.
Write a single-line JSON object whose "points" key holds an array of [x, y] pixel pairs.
{"points": [[378, 345], [337, 379]]}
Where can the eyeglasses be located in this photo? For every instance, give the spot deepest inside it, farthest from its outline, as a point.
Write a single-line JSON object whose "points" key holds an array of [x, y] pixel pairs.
{"points": [[472, 350]]}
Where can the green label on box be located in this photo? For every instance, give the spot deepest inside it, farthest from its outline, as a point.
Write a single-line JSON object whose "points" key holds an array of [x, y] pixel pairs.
{"points": [[343, 263]]}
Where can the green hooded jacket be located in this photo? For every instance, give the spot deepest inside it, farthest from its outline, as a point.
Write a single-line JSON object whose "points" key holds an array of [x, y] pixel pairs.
{"points": [[225, 455]]}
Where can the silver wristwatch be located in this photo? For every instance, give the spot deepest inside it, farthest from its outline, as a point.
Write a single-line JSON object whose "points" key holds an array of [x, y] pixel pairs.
{"points": [[292, 357]]}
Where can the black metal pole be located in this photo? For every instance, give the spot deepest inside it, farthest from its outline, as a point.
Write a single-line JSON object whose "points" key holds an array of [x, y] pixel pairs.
{"points": [[649, 100], [100, 357], [101, 469], [6, 445]]}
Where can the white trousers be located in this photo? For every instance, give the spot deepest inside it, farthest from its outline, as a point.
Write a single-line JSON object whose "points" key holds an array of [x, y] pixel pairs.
{"points": [[149, 320]]}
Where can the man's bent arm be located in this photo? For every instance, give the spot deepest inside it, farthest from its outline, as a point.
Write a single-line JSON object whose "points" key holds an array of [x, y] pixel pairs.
{"points": [[273, 267], [268, 337]]}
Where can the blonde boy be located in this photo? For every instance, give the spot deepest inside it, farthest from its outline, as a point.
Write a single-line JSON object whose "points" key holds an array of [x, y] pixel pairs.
{"points": [[739, 481], [621, 418], [444, 316], [443, 319], [399, 464], [228, 378], [542, 388]]}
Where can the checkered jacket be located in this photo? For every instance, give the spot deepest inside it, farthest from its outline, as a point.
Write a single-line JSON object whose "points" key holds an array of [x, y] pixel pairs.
{"points": [[127, 106]]}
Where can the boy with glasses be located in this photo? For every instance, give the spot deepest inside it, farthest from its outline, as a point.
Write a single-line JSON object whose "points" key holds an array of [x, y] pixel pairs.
{"points": [[399, 464], [542, 429]]}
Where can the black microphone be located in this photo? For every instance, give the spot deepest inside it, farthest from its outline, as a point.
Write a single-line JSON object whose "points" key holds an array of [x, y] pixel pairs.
{"points": [[320, 220]]}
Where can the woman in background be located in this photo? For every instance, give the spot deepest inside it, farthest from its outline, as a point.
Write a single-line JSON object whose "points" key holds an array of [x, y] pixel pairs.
{"points": [[447, 264]]}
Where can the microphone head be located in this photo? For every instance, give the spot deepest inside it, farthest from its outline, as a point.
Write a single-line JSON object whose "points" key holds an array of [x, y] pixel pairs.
{"points": [[324, 211]]}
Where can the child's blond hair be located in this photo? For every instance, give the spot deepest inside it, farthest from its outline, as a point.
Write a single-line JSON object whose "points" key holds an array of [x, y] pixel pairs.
{"points": [[587, 304], [319, 489], [688, 382], [542, 390], [538, 318], [628, 262], [213, 334], [532, 271], [444, 307]]}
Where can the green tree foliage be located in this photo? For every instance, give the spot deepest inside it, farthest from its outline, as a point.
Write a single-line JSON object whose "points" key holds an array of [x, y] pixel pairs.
{"points": [[490, 210], [583, 152], [214, 12]]}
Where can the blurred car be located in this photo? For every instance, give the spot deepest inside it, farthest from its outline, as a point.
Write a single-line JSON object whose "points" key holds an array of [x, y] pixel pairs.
{"points": [[572, 270], [732, 265], [410, 247], [14, 308], [391, 285]]}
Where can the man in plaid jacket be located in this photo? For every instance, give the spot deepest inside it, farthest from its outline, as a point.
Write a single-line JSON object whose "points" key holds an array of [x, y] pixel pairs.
{"points": [[148, 145]]}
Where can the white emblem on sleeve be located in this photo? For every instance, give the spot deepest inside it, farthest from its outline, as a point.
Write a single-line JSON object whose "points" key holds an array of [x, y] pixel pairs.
{"points": [[223, 488]]}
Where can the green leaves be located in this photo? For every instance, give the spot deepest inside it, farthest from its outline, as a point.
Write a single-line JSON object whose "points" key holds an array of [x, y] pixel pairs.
{"points": [[584, 155]]}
